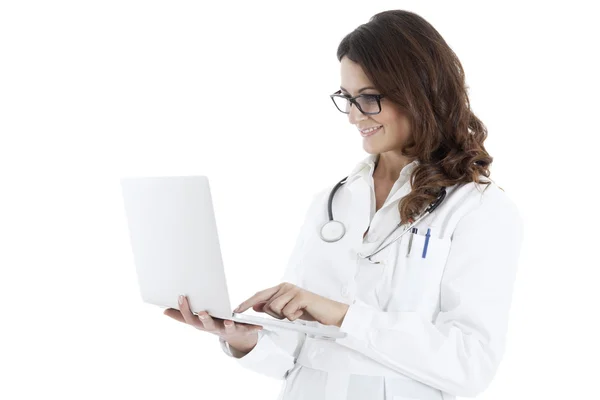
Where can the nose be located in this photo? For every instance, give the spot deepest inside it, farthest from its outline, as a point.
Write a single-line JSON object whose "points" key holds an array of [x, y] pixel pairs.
{"points": [[355, 115]]}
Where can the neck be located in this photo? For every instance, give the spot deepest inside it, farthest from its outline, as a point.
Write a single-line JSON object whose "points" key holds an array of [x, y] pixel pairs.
{"points": [[389, 165]]}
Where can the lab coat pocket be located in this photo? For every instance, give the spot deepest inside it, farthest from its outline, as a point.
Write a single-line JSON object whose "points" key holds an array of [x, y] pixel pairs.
{"points": [[409, 389], [425, 265], [428, 251], [413, 277]]}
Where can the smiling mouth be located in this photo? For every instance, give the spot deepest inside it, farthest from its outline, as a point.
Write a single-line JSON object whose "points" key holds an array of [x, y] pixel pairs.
{"points": [[370, 133]]}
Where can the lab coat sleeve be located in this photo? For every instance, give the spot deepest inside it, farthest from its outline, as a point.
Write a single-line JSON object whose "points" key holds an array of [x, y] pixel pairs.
{"points": [[460, 350], [276, 350]]}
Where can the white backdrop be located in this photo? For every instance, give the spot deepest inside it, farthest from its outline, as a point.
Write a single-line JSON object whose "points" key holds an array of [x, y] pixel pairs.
{"points": [[94, 90]]}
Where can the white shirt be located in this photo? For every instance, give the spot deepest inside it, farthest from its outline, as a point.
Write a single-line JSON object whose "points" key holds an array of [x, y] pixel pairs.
{"points": [[417, 328]]}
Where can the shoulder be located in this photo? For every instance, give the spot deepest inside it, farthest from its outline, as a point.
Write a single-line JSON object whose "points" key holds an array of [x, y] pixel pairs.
{"points": [[320, 197], [317, 211], [317, 207], [490, 196], [484, 204]]}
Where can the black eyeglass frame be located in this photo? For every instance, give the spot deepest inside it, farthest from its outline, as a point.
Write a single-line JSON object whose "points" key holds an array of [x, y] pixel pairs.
{"points": [[352, 100]]}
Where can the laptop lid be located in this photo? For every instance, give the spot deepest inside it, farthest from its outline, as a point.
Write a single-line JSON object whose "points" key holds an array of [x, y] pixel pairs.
{"points": [[175, 243]]}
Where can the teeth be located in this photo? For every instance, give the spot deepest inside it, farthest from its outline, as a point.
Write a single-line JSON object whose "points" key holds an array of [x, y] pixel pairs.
{"points": [[371, 129]]}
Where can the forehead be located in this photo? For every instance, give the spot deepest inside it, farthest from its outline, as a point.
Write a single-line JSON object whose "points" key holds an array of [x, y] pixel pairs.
{"points": [[352, 75]]}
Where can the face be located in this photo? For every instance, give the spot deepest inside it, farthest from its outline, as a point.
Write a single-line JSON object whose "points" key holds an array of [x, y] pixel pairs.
{"points": [[395, 126]]}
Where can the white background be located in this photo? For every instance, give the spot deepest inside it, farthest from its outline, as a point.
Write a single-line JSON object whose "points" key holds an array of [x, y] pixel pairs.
{"points": [[94, 90]]}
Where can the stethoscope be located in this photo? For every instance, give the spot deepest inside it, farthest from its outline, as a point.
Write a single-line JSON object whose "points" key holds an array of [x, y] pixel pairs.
{"points": [[333, 230]]}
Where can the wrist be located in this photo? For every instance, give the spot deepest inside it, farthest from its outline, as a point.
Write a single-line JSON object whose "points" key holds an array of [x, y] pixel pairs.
{"points": [[342, 314], [242, 345]]}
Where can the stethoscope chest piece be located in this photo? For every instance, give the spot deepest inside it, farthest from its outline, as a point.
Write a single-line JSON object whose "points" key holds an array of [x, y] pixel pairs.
{"points": [[332, 231]]}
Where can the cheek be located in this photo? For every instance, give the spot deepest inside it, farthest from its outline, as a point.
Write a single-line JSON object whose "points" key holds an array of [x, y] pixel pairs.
{"points": [[397, 127], [395, 134]]}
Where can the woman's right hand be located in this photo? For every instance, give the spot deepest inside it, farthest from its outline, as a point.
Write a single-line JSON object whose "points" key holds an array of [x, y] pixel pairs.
{"points": [[240, 336]]}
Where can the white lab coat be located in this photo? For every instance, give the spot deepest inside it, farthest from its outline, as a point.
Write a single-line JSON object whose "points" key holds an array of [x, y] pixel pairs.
{"points": [[418, 328]]}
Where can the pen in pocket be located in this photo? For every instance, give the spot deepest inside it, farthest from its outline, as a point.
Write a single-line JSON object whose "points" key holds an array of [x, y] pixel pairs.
{"points": [[410, 239], [426, 243]]}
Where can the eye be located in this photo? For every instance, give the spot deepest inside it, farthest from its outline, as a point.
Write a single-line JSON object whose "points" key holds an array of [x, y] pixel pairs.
{"points": [[370, 98]]}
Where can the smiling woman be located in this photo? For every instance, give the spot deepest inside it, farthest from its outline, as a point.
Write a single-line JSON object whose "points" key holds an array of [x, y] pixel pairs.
{"points": [[426, 318], [424, 113]]}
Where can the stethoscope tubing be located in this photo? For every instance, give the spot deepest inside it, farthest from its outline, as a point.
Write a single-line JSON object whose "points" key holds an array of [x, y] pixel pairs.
{"points": [[435, 204], [410, 226], [330, 201]]}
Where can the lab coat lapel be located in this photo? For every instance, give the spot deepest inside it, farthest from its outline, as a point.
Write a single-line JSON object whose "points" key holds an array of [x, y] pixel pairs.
{"points": [[363, 197], [401, 192], [406, 186], [361, 206]]}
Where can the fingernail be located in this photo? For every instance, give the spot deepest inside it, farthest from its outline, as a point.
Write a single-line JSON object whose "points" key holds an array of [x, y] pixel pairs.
{"points": [[237, 309], [202, 316], [180, 299]]}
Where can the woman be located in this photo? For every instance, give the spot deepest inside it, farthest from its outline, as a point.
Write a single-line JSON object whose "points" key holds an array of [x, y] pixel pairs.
{"points": [[426, 316]]}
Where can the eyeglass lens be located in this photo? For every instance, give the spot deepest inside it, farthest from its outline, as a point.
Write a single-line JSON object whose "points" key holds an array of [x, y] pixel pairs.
{"points": [[367, 104]]}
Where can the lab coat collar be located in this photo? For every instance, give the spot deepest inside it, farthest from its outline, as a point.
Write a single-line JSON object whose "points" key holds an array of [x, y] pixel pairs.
{"points": [[366, 167]]}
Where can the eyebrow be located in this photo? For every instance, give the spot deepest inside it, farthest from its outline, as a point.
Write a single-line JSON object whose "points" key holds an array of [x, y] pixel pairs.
{"points": [[365, 88]]}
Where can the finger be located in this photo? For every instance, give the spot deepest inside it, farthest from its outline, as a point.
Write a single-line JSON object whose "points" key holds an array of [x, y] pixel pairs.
{"points": [[207, 321], [229, 327], [175, 314], [292, 307], [184, 308], [305, 316], [296, 315], [258, 307], [247, 326], [273, 314], [278, 306], [236, 329], [263, 295]]}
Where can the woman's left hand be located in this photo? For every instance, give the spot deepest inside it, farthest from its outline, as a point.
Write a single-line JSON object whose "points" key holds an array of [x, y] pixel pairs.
{"points": [[289, 301]]}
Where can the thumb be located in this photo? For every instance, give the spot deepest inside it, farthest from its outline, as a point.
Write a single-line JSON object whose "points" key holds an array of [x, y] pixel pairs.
{"points": [[229, 327]]}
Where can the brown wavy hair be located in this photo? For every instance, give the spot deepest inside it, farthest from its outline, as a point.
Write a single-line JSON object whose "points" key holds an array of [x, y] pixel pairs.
{"points": [[406, 59]]}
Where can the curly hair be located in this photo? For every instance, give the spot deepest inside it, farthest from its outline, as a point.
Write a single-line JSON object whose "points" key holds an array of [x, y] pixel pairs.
{"points": [[406, 58]]}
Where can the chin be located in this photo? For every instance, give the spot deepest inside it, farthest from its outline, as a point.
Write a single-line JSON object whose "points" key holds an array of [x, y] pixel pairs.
{"points": [[373, 150], [376, 146]]}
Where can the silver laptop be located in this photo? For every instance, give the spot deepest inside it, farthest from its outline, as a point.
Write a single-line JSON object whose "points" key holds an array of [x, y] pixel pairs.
{"points": [[176, 250]]}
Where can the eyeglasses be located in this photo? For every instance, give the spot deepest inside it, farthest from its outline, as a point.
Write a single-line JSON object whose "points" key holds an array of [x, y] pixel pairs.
{"points": [[369, 104]]}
